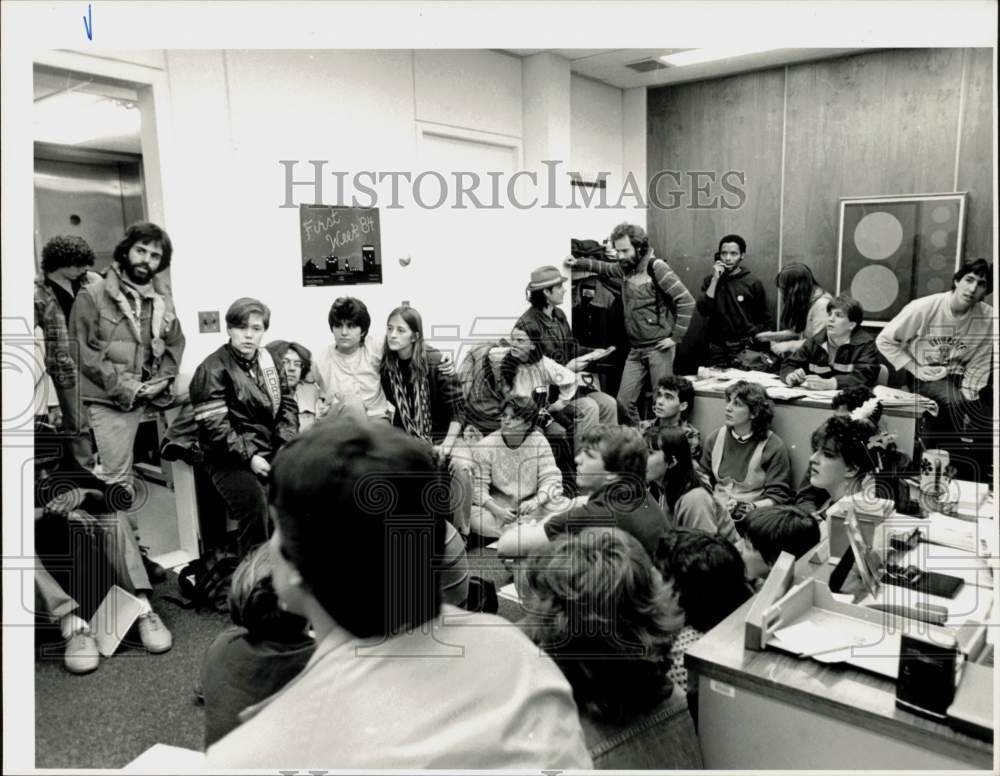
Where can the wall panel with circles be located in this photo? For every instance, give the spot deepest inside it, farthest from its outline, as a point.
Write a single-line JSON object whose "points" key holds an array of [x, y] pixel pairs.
{"points": [[893, 250]]}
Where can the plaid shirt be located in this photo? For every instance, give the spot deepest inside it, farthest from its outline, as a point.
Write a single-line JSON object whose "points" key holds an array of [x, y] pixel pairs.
{"points": [[60, 362]]}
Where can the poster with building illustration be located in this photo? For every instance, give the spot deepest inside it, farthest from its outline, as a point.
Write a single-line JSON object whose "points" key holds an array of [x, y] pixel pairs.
{"points": [[340, 245]]}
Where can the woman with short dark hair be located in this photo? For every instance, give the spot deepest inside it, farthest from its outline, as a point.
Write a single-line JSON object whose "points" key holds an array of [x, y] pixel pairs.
{"points": [[245, 412], [597, 606]]}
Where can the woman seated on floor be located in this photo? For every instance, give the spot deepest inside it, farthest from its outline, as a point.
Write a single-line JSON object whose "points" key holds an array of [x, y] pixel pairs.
{"points": [[515, 474], [258, 655], [748, 463], [596, 605], [683, 496]]}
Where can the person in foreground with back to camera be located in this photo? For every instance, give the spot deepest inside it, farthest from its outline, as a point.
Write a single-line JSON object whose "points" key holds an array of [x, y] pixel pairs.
{"points": [[803, 310], [599, 608], [657, 309], [245, 413], [842, 356], [683, 496], [611, 468], [709, 578], [747, 462], [397, 680], [734, 305], [263, 650]]}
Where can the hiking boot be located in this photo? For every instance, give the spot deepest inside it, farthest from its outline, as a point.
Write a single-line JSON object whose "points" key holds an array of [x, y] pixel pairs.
{"points": [[81, 656], [154, 634], [154, 570]]}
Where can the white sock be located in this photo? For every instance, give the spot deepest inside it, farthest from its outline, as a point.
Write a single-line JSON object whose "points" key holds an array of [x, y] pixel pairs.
{"points": [[147, 608], [71, 624]]}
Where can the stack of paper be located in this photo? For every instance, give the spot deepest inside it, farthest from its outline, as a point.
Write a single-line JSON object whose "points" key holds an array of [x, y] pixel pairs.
{"points": [[894, 397]]}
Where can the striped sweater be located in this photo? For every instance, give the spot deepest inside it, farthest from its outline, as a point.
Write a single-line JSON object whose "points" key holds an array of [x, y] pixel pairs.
{"points": [[647, 318]]}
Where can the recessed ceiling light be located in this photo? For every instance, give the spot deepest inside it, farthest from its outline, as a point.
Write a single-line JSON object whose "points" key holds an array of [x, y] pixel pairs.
{"points": [[698, 56]]}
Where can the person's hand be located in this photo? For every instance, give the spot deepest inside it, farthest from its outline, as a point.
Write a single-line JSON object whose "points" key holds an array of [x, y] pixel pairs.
{"points": [[610, 253], [149, 390], [56, 417], [929, 374], [718, 269], [260, 466], [500, 513], [557, 406], [576, 365], [795, 378], [814, 383], [322, 407], [665, 344], [741, 509], [570, 262], [529, 507], [82, 518], [447, 365], [70, 500]]}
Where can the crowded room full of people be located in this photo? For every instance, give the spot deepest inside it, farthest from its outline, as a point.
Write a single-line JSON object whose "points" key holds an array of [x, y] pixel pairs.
{"points": [[327, 482]]}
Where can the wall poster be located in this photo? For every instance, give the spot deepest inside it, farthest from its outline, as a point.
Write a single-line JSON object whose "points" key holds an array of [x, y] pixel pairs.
{"points": [[340, 245], [892, 250]]}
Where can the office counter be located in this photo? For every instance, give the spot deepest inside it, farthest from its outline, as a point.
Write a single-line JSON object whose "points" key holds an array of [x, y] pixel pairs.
{"points": [[767, 709]]}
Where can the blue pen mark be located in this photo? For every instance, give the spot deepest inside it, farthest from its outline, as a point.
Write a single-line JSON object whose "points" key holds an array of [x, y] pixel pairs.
{"points": [[88, 23]]}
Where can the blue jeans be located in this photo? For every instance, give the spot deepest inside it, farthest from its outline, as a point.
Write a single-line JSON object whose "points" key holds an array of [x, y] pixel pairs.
{"points": [[641, 362]]}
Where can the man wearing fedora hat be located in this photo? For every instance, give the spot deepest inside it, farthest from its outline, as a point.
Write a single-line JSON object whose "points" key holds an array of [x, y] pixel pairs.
{"points": [[546, 324]]}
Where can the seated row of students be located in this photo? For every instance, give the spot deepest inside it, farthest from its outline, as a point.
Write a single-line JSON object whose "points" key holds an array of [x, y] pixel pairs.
{"points": [[625, 713]]}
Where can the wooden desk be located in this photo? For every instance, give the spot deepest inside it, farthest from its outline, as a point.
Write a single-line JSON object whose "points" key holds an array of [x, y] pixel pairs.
{"points": [[764, 710], [794, 422]]}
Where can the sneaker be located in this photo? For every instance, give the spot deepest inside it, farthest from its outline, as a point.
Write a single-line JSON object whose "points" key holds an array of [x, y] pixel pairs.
{"points": [[154, 634], [154, 570], [81, 656]]}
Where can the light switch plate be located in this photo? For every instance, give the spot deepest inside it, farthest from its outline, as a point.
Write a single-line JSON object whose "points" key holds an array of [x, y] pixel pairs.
{"points": [[208, 322]]}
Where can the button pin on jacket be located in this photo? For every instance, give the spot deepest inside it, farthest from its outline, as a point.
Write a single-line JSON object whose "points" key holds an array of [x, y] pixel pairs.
{"points": [[739, 297]]}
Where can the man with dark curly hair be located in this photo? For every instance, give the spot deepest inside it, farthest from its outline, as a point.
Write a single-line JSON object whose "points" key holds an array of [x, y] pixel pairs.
{"points": [[129, 339], [65, 263]]}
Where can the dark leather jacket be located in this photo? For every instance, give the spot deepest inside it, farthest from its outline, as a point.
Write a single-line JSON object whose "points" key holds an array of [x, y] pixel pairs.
{"points": [[236, 419]]}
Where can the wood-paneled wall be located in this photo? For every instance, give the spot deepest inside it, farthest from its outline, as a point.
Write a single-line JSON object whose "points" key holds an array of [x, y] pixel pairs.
{"points": [[901, 121]]}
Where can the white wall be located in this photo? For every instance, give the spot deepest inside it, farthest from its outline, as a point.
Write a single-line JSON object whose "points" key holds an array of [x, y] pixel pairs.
{"points": [[232, 115], [597, 131]]}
